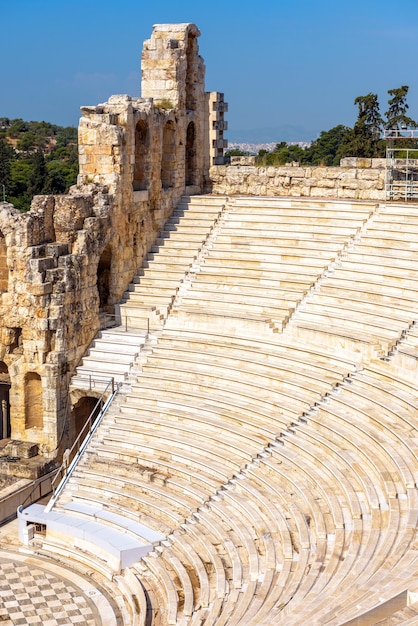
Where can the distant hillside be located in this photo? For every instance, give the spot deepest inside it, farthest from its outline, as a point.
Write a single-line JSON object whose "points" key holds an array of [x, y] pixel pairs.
{"points": [[35, 158]]}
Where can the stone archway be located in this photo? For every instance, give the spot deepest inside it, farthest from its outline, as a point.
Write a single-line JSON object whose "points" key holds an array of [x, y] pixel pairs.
{"points": [[4, 401], [4, 270], [86, 406], [191, 154], [103, 277], [141, 166], [168, 159], [34, 415]]}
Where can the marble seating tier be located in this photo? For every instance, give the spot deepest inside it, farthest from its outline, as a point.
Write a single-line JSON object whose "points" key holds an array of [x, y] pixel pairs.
{"points": [[261, 447]]}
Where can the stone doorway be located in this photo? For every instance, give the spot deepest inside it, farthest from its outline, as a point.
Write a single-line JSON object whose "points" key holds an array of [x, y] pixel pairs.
{"points": [[103, 279], [168, 160], [141, 167], [5, 429], [191, 155], [86, 406], [33, 401]]}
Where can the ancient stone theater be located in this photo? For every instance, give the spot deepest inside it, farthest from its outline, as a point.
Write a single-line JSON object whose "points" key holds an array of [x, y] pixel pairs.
{"points": [[208, 379]]}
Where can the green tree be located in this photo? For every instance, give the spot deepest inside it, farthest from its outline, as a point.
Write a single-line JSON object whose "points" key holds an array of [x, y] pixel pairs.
{"points": [[57, 174], [66, 136], [281, 154], [16, 127], [365, 138], [52, 169], [328, 149], [20, 172], [37, 179], [369, 113], [396, 114], [6, 156], [28, 142]]}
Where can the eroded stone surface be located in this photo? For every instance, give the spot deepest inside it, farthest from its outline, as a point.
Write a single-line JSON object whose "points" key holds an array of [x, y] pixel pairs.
{"points": [[357, 179], [71, 257]]}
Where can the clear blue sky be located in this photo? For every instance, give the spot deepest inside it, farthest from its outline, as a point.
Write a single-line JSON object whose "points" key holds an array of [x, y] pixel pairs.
{"points": [[280, 63]]}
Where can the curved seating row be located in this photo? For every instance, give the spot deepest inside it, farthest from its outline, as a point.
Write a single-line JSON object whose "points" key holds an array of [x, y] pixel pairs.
{"points": [[240, 251], [373, 288], [331, 511], [282, 473]]}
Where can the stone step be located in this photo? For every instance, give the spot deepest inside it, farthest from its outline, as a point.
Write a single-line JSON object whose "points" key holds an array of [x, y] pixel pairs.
{"points": [[97, 355], [91, 380], [106, 365], [111, 344], [127, 340]]}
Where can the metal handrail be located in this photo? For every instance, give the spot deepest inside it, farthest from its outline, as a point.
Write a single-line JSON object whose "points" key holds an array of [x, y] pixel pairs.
{"points": [[122, 321], [73, 454], [37, 483]]}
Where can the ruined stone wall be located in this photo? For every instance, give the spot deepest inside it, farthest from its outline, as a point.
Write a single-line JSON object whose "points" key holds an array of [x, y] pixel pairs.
{"points": [[49, 312], [359, 179], [67, 261]]}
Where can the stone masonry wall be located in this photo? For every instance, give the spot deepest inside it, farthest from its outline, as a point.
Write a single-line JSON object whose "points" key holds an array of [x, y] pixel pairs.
{"points": [[356, 179]]}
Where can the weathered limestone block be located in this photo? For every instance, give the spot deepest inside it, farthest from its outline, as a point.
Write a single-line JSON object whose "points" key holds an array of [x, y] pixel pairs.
{"points": [[369, 174], [242, 160], [356, 162], [325, 183], [351, 194], [322, 192], [298, 172]]}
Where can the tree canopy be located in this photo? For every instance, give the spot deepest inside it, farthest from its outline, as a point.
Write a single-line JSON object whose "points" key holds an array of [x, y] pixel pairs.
{"points": [[396, 113], [363, 140], [35, 158]]}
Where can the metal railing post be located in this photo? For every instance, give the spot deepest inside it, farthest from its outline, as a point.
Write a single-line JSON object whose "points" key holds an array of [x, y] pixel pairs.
{"points": [[81, 442]]}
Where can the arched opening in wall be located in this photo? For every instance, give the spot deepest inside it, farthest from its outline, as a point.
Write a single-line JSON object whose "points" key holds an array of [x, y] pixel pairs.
{"points": [[168, 159], [103, 278], [87, 406], [191, 154], [4, 401], [4, 270], [34, 414], [191, 72], [16, 346], [141, 167]]}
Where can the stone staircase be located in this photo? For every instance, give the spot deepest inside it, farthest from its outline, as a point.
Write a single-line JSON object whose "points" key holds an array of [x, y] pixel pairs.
{"points": [[111, 355], [149, 298]]}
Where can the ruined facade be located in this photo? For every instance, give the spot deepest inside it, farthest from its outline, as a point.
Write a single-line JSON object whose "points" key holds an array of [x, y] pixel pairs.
{"points": [[68, 261]]}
